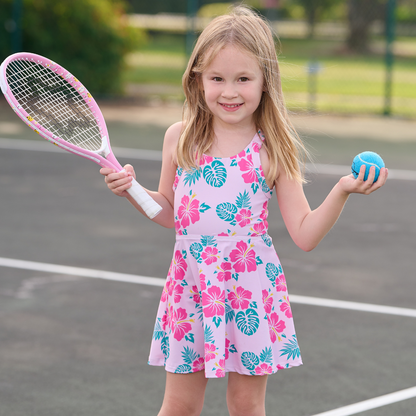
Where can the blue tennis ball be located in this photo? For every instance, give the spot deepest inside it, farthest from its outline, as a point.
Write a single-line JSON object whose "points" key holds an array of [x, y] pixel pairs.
{"points": [[369, 159]]}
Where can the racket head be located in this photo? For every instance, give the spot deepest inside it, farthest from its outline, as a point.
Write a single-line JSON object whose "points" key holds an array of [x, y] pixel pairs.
{"points": [[57, 106]]}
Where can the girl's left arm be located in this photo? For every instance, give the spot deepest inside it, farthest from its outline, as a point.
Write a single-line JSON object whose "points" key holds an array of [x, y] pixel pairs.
{"points": [[306, 227]]}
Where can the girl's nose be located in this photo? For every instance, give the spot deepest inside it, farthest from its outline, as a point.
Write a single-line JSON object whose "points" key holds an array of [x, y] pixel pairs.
{"points": [[229, 92]]}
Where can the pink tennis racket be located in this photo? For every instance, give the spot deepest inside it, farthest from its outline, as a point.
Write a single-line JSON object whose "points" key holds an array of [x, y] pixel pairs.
{"points": [[53, 103]]}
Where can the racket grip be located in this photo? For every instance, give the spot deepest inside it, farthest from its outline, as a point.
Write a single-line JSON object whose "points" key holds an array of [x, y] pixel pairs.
{"points": [[149, 205]]}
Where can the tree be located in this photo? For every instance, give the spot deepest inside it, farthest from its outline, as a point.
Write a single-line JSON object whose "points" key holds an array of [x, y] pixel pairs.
{"points": [[87, 37], [314, 10], [361, 15]]}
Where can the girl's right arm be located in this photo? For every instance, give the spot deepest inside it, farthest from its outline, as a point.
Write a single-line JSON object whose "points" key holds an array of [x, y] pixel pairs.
{"points": [[120, 182]]}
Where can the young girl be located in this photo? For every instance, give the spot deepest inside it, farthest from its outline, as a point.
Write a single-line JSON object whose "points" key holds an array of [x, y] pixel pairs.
{"points": [[225, 306]]}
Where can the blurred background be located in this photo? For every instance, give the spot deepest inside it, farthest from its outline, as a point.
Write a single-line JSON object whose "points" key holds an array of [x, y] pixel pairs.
{"points": [[337, 56]]}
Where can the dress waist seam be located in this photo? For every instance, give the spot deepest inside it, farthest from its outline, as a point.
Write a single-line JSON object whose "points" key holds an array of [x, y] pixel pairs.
{"points": [[235, 237]]}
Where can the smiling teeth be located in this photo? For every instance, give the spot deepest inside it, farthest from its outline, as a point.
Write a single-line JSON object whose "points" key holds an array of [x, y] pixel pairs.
{"points": [[231, 105]]}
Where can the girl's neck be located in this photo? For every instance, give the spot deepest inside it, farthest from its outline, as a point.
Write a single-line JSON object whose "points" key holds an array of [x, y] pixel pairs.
{"points": [[231, 141]]}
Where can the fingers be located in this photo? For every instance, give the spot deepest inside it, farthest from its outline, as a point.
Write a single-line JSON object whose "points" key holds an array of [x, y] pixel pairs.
{"points": [[368, 186]]}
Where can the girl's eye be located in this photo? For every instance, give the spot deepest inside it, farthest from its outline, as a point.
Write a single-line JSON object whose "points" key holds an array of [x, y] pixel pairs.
{"points": [[243, 79], [217, 79]]}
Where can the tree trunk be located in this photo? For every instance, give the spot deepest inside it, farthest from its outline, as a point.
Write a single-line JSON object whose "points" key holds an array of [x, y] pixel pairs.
{"points": [[361, 15]]}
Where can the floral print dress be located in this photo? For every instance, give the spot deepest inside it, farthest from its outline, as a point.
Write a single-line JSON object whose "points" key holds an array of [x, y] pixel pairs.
{"points": [[225, 305]]}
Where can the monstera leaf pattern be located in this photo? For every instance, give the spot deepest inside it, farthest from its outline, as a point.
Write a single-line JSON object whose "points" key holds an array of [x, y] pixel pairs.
{"points": [[224, 306]]}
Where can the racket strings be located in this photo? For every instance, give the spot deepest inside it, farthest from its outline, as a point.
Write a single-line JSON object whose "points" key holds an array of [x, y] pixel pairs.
{"points": [[54, 103]]}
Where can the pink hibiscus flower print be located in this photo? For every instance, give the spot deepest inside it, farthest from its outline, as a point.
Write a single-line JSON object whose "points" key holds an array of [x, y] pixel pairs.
{"points": [[210, 353], [285, 307], [178, 227], [210, 255], [240, 298], [202, 281], [198, 365], [176, 181], [243, 217], [180, 326], [260, 227], [178, 266], [213, 302], [227, 348], [205, 159], [276, 327], [165, 292], [256, 148], [224, 272], [167, 318], [267, 300], [243, 256], [221, 369], [265, 212], [280, 367], [189, 210], [247, 165], [264, 369], [176, 291], [195, 294], [281, 285]]}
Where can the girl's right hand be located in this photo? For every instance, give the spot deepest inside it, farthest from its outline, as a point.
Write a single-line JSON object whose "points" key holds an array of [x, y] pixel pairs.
{"points": [[119, 182]]}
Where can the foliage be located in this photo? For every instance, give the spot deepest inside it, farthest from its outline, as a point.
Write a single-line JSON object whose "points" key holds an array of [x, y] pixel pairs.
{"points": [[214, 9], [406, 12], [88, 37]]}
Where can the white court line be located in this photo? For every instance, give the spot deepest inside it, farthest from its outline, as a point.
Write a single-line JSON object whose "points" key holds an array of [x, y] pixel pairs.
{"points": [[142, 154], [370, 404], [155, 281]]}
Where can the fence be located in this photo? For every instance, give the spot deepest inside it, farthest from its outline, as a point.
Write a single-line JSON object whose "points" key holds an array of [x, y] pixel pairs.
{"points": [[363, 62]]}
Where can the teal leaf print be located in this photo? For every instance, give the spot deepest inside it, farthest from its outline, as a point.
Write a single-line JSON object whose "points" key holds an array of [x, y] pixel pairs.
{"points": [[243, 200], [234, 162], [208, 240], [235, 276], [192, 176], [272, 271], [267, 240], [189, 355], [196, 250], [190, 337], [203, 207], [232, 348], [266, 356], [165, 347], [226, 211], [247, 321], [254, 187], [291, 349], [158, 332], [215, 174], [258, 260], [217, 321], [229, 313], [183, 369], [250, 360], [208, 335]]}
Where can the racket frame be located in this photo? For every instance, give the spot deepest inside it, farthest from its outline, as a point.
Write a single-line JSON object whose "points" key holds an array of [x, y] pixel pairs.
{"points": [[103, 156]]}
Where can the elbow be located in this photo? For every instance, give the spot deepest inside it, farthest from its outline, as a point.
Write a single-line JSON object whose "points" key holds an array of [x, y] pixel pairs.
{"points": [[306, 246]]}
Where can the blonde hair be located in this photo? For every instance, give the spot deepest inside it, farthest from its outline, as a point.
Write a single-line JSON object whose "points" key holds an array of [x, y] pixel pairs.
{"points": [[251, 34]]}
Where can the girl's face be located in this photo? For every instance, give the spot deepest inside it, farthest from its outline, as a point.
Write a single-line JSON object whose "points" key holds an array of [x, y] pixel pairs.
{"points": [[233, 86]]}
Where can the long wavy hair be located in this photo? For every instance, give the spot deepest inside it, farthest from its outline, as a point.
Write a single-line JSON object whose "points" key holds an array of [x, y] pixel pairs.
{"points": [[243, 29]]}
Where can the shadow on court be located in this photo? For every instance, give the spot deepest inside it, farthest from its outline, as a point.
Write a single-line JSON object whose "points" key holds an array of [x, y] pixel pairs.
{"points": [[70, 345]]}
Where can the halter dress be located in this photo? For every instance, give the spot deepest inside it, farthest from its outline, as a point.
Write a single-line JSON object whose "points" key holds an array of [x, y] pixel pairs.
{"points": [[225, 306]]}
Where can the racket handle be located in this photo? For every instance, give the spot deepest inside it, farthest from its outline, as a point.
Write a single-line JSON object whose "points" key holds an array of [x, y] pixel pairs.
{"points": [[149, 205]]}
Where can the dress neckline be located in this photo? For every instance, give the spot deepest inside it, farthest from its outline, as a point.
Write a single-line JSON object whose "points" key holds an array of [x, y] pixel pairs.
{"points": [[243, 150]]}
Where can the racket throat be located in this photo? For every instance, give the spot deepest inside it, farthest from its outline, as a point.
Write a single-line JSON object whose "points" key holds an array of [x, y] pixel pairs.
{"points": [[104, 150]]}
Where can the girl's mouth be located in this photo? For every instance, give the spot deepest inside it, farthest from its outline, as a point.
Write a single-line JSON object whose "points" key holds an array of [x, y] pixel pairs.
{"points": [[230, 107]]}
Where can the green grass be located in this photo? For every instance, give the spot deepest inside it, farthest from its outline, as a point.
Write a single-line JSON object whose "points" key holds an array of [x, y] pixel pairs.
{"points": [[346, 83]]}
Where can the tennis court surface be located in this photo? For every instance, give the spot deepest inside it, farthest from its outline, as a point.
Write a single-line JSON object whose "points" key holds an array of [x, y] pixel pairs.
{"points": [[77, 312]]}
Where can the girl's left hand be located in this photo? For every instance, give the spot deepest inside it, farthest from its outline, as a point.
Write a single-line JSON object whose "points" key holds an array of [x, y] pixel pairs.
{"points": [[351, 185]]}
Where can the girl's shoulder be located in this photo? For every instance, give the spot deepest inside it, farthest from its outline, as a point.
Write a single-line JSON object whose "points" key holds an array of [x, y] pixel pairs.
{"points": [[172, 135]]}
